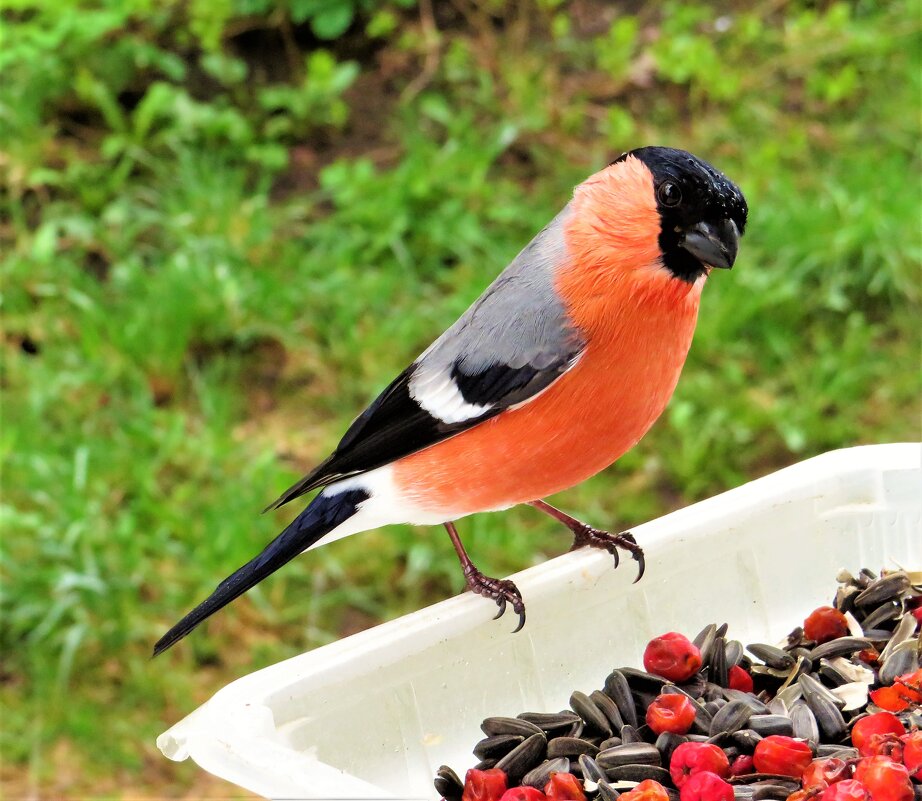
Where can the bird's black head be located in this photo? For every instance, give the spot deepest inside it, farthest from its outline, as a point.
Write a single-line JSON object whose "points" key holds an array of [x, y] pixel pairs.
{"points": [[702, 212]]}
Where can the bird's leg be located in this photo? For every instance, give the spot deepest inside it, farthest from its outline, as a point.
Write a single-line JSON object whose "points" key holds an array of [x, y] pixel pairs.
{"points": [[502, 591], [584, 534]]}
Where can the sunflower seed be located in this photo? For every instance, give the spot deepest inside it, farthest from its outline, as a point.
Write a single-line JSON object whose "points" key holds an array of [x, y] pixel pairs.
{"points": [[501, 725], [592, 770], [695, 685], [803, 665], [641, 681], [630, 735], [902, 659], [887, 611], [550, 721], [611, 742], [772, 792], [628, 754], [447, 784], [570, 747], [904, 631], [666, 743], [825, 750], [845, 598], [496, 746], [717, 664], [771, 724], [525, 756], [827, 713], [617, 688], [733, 652], [771, 656], [705, 638], [732, 717], [865, 577], [751, 701], [841, 646], [789, 695], [810, 684], [608, 708], [576, 730], [890, 586], [804, 722], [583, 705], [639, 773], [777, 706], [761, 779], [840, 671], [607, 792], [746, 739], [538, 777]]}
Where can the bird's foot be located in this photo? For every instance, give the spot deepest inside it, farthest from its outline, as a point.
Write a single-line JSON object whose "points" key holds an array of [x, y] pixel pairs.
{"points": [[502, 591], [595, 538]]}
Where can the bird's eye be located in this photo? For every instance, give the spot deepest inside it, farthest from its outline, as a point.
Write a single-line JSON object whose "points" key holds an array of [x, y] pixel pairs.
{"points": [[669, 194]]}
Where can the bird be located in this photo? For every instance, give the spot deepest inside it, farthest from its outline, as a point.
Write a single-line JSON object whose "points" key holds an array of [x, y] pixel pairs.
{"points": [[558, 369]]}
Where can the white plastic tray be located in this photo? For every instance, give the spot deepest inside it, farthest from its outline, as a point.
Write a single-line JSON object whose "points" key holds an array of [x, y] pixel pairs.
{"points": [[374, 715]]}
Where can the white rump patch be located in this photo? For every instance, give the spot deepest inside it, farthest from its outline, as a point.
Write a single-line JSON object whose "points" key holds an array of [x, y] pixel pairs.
{"points": [[438, 394], [385, 506]]}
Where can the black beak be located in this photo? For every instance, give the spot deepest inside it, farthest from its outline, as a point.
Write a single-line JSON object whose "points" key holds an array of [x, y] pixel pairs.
{"points": [[713, 244]]}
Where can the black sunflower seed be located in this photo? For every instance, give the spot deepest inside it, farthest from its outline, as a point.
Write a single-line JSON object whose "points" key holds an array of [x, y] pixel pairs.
{"points": [[525, 756]]}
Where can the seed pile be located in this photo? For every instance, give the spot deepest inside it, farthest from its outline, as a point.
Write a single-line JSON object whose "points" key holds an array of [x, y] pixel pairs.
{"points": [[833, 714]]}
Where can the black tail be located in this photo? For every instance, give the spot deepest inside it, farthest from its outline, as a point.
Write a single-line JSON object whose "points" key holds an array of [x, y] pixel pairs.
{"points": [[323, 515]]}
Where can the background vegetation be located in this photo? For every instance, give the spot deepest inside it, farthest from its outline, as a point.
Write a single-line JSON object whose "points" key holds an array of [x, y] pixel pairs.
{"points": [[228, 224]]}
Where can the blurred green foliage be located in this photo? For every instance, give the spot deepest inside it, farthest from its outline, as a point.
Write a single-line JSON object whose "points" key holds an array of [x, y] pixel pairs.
{"points": [[228, 224]]}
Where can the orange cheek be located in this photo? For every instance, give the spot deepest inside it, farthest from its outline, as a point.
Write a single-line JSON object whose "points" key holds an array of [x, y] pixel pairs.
{"points": [[613, 241]]}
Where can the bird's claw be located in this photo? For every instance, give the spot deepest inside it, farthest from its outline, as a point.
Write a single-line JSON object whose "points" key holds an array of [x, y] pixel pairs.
{"points": [[502, 591], [607, 541]]}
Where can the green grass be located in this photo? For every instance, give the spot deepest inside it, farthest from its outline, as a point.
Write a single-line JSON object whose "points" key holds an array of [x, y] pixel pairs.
{"points": [[215, 253]]}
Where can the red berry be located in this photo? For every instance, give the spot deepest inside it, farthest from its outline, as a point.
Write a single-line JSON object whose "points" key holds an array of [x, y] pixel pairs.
{"points": [[647, 790], [672, 656], [670, 712], [888, 745], [742, 765], [885, 779], [912, 680], [706, 786], [565, 787], [782, 755], [523, 794], [739, 679], [484, 785], [823, 772], [912, 753], [894, 698], [825, 624], [876, 724], [691, 758], [905, 691], [847, 790]]}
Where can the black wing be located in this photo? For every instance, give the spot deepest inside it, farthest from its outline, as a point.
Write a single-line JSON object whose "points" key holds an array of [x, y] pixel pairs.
{"points": [[395, 425]]}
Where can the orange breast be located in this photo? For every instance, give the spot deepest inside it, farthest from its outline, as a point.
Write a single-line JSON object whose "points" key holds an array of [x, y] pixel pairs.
{"points": [[579, 426]]}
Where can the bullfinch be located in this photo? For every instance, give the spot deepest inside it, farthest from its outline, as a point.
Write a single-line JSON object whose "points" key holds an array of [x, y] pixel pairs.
{"points": [[556, 370]]}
